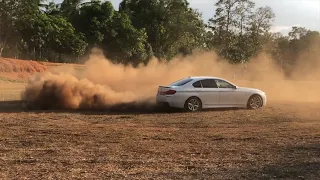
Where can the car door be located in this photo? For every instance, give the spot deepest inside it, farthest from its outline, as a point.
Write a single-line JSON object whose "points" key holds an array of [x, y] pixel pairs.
{"points": [[228, 94], [209, 94]]}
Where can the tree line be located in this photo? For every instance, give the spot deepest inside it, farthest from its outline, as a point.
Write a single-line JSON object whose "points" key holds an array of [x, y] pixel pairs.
{"points": [[141, 29]]}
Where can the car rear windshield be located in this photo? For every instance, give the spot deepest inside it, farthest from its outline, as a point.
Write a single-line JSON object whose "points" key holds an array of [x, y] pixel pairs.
{"points": [[181, 82]]}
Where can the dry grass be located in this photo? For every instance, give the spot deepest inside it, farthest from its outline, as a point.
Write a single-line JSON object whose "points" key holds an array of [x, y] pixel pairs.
{"points": [[10, 90], [279, 141]]}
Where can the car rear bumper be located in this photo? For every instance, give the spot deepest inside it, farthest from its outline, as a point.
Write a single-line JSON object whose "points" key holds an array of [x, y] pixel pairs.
{"points": [[170, 100]]}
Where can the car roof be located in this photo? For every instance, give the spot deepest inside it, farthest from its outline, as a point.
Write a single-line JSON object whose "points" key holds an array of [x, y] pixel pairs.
{"points": [[197, 78], [203, 77]]}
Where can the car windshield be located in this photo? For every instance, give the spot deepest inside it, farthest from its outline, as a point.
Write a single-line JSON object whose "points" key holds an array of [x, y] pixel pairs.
{"points": [[181, 82]]}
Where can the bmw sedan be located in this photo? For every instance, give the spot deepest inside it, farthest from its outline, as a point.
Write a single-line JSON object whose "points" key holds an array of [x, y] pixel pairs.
{"points": [[201, 92]]}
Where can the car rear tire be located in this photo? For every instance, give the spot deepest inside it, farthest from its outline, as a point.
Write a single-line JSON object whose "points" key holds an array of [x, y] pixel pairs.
{"points": [[193, 104], [255, 102]]}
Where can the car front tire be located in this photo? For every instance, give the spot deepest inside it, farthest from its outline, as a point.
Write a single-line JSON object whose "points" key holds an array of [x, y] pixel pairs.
{"points": [[255, 102]]}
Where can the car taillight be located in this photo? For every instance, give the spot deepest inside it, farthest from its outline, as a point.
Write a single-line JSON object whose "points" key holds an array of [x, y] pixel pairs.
{"points": [[170, 92]]}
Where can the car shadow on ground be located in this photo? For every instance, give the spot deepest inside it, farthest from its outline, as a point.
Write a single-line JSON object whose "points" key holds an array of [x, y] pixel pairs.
{"points": [[123, 108]]}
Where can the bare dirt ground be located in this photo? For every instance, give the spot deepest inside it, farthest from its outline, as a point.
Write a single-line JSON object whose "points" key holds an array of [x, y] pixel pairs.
{"points": [[277, 142], [280, 141]]}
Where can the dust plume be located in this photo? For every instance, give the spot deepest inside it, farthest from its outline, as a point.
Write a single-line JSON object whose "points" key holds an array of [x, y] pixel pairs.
{"points": [[101, 84]]}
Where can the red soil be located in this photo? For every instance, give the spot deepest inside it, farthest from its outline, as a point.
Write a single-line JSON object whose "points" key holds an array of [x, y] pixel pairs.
{"points": [[15, 69]]}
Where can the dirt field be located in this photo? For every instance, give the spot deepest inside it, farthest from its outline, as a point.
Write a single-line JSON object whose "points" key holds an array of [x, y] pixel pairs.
{"points": [[281, 141]]}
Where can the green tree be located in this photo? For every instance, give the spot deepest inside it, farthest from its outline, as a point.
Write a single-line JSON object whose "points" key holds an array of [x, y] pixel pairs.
{"points": [[70, 8], [287, 50], [126, 44], [113, 32], [144, 28], [52, 37], [8, 10], [231, 15], [258, 35], [172, 26], [242, 15], [230, 25], [239, 31], [13, 15], [298, 32], [95, 21], [261, 20], [52, 8]]}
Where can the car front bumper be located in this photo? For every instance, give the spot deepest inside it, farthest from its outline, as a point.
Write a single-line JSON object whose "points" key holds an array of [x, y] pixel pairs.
{"points": [[264, 98]]}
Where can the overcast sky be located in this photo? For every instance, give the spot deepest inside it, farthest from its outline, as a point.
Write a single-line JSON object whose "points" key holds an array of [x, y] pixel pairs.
{"points": [[305, 13]]}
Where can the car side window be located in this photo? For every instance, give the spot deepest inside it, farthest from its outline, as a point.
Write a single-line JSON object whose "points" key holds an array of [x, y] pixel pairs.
{"points": [[197, 84], [181, 82], [208, 83], [223, 84]]}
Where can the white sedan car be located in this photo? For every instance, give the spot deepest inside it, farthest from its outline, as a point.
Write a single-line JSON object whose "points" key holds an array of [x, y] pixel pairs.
{"points": [[195, 93]]}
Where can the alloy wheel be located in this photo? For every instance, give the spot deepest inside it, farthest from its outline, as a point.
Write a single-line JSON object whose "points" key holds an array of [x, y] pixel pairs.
{"points": [[193, 104], [255, 102]]}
